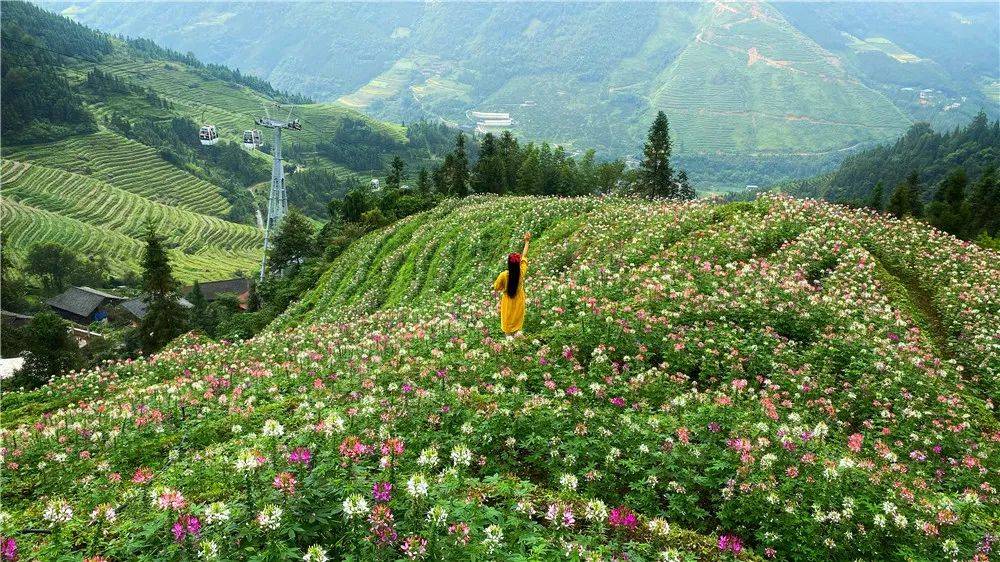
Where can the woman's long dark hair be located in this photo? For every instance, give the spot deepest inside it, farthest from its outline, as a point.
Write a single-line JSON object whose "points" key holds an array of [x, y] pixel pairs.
{"points": [[513, 274]]}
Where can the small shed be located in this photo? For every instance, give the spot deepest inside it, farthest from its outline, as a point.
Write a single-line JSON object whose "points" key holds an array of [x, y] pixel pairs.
{"points": [[83, 305]]}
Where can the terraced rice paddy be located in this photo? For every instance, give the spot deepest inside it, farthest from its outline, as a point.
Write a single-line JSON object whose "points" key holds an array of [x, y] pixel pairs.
{"points": [[43, 204], [127, 165]]}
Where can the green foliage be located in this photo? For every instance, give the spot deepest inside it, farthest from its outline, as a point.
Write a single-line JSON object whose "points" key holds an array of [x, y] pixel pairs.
{"points": [[165, 318], [49, 350], [58, 267], [293, 242], [656, 177]]}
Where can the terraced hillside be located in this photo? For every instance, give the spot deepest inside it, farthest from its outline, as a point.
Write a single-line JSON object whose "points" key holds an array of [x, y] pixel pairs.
{"points": [[99, 219], [233, 108], [778, 379], [127, 165]]}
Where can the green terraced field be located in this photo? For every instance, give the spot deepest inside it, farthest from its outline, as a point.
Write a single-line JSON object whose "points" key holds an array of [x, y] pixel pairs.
{"points": [[127, 165], [43, 204]]}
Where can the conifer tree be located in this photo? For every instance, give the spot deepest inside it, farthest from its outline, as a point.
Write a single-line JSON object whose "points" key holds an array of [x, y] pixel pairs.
{"points": [[684, 190], [424, 181], [459, 169], [395, 178], [655, 174], [875, 200], [165, 318], [905, 200]]}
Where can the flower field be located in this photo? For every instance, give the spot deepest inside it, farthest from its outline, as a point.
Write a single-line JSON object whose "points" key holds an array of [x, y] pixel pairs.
{"points": [[779, 379]]}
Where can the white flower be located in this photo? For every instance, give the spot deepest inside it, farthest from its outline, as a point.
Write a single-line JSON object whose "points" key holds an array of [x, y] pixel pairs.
{"points": [[568, 481], [461, 455], [58, 511], [273, 429], [417, 485], [595, 510], [216, 512], [494, 536], [658, 526], [315, 554], [208, 550], [355, 505], [428, 457], [248, 460], [437, 516], [269, 518]]}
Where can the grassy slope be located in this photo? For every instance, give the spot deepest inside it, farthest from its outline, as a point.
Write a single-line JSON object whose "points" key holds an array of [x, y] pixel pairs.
{"points": [[672, 306]]}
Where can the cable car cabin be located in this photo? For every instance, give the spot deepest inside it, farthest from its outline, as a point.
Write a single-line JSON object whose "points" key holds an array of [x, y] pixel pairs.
{"points": [[208, 135], [251, 139]]}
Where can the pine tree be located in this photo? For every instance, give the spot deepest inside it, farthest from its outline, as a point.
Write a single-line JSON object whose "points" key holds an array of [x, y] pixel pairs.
{"points": [[950, 211], [655, 174], [684, 189], [905, 199], [875, 200], [488, 173], [165, 319], [395, 178], [510, 155], [984, 201], [424, 181], [459, 184]]}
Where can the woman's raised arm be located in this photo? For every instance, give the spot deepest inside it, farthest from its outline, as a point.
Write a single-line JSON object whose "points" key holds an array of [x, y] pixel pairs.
{"points": [[527, 238]]}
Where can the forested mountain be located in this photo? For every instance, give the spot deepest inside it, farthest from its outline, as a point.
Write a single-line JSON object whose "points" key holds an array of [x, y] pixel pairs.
{"points": [[950, 178], [100, 139], [755, 91]]}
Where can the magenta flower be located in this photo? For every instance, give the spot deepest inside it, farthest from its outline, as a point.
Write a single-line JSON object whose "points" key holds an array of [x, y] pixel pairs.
{"points": [[186, 525], [300, 455], [618, 401], [730, 543], [622, 516], [8, 549], [382, 491]]}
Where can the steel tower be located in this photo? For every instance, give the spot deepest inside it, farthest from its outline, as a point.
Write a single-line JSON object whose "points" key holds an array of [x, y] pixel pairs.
{"points": [[277, 202]]}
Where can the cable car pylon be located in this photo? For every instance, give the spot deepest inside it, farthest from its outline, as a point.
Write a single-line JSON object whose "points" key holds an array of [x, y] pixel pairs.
{"points": [[277, 202]]}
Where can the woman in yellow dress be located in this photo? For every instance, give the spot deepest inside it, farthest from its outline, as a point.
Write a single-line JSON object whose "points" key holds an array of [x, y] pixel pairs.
{"points": [[510, 285]]}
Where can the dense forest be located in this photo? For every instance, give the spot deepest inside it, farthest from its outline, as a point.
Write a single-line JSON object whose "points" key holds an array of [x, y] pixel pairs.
{"points": [[38, 103], [950, 179]]}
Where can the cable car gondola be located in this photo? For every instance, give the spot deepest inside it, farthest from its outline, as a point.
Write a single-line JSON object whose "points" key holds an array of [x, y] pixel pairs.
{"points": [[208, 135], [251, 139]]}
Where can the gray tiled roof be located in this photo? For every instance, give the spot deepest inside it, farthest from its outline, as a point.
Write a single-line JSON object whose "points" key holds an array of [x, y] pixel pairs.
{"points": [[82, 301], [138, 306]]}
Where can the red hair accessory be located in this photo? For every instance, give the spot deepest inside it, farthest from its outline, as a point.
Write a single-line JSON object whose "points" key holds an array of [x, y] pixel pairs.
{"points": [[514, 258]]}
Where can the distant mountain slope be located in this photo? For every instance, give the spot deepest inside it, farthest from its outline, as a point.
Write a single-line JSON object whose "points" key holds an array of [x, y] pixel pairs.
{"points": [[736, 78], [974, 148]]}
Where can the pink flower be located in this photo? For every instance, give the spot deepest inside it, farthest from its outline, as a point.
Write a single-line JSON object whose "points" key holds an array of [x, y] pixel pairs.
{"points": [[854, 442], [382, 491], [730, 543], [285, 482], [622, 516], [142, 475], [8, 549], [618, 401], [186, 525], [300, 455]]}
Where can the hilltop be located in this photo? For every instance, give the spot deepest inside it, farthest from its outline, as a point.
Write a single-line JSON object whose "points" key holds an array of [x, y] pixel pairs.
{"points": [[778, 378]]}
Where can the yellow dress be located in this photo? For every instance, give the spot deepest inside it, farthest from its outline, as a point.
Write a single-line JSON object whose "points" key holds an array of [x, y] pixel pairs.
{"points": [[511, 309]]}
